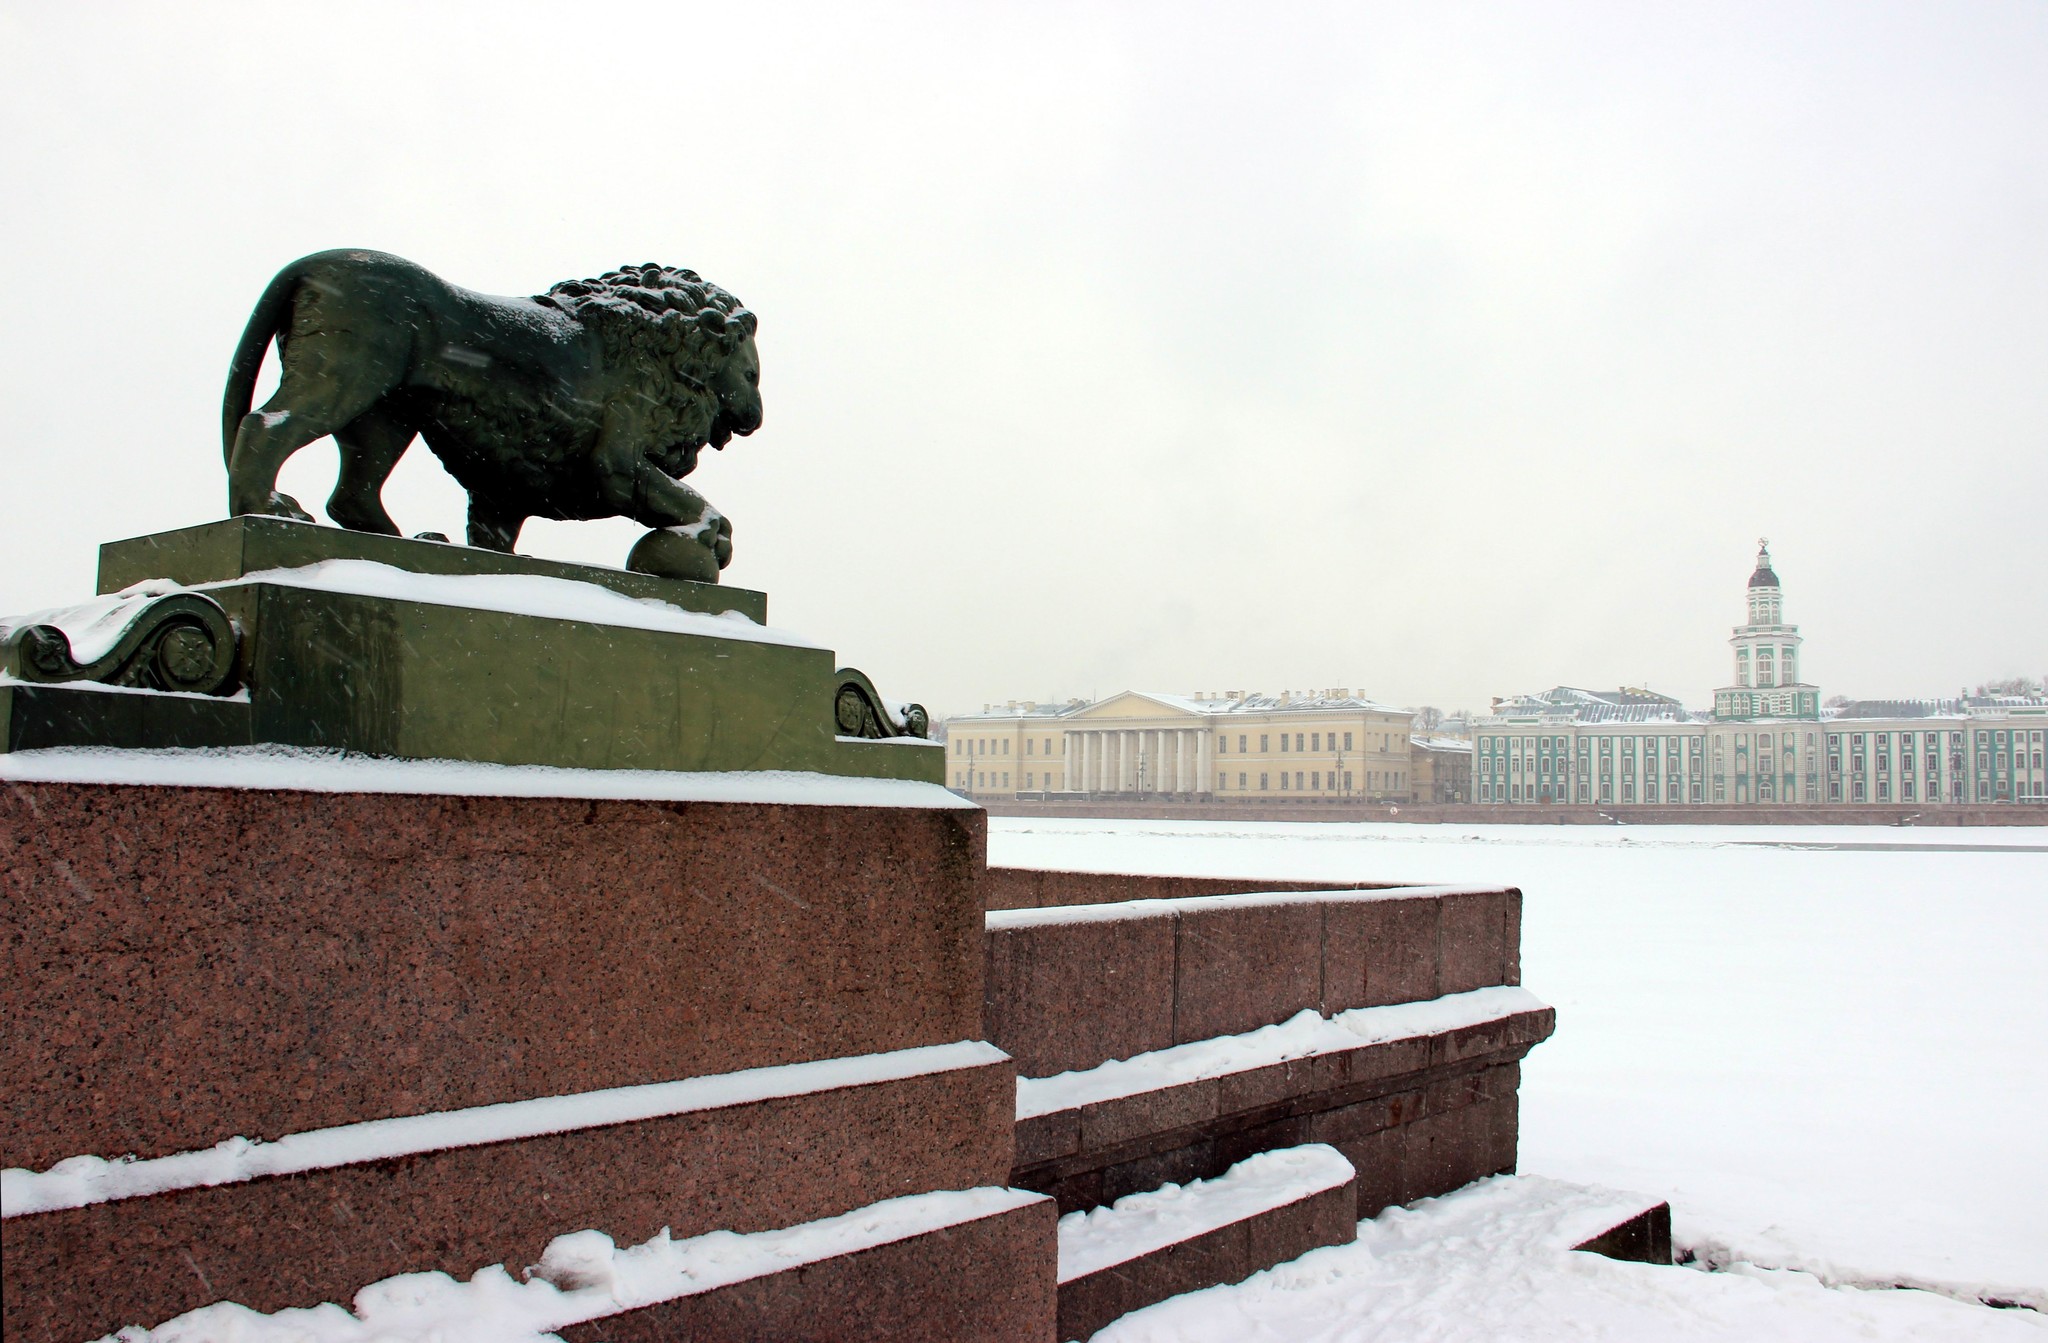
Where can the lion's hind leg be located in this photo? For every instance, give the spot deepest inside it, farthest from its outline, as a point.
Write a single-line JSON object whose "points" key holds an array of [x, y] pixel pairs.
{"points": [[327, 384], [493, 527], [371, 445]]}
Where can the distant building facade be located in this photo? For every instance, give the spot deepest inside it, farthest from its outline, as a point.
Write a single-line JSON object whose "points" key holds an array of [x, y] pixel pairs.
{"points": [[1767, 740], [1325, 744]]}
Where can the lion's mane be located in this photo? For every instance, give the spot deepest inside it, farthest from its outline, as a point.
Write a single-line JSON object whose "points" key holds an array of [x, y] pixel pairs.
{"points": [[670, 327]]}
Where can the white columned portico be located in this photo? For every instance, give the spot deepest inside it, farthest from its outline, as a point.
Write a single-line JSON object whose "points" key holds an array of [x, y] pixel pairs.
{"points": [[1127, 772], [1204, 764]]}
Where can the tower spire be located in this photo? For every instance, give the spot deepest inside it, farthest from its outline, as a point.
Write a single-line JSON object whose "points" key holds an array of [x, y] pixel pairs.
{"points": [[1767, 683], [1764, 575]]}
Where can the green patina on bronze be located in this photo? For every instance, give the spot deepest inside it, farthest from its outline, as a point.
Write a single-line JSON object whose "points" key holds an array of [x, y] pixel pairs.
{"points": [[592, 400], [388, 675]]}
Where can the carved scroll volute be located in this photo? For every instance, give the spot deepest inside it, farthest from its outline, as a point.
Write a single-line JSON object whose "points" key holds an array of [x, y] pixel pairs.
{"points": [[183, 641], [858, 711]]}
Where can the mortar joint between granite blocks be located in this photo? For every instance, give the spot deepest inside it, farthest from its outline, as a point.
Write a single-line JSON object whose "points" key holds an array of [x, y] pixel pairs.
{"points": [[1173, 1019], [1323, 962]]}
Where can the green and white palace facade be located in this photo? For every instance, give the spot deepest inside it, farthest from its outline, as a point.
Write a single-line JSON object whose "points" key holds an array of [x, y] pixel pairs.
{"points": [[1767, 740]]}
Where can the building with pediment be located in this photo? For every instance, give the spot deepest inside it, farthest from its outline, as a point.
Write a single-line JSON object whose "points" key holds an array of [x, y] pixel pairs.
{"points": [[1319, 744]]}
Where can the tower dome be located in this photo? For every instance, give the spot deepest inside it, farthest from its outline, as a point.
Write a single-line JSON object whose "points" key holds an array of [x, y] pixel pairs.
{"points": [[1764, 577]]}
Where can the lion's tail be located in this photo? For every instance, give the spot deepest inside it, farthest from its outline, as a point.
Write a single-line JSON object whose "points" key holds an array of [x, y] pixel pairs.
{"points": [[264, 323]]}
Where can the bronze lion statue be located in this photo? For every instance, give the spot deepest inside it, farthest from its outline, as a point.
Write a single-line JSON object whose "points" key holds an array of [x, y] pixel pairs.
{"points": [[589, 401]]}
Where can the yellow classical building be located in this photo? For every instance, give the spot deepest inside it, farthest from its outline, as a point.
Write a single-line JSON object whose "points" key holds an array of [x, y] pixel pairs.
{"points": [[1326, 744]]}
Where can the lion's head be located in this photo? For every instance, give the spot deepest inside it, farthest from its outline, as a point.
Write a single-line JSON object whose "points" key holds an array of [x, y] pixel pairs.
{"points": [[691, 341]]}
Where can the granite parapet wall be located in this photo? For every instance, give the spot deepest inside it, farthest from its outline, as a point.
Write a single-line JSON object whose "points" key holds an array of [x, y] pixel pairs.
{"points": [[1069, 989], [1039, 888], [182, 965]]}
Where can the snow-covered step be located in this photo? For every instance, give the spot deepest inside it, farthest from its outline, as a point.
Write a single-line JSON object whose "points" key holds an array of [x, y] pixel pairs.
{"points": [[1144, 1248], [1420, 1097], [863, 1274]]}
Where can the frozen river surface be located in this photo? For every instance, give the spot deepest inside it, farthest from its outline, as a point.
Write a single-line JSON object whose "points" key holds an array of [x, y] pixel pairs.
{"points": [[1827, 1047]]}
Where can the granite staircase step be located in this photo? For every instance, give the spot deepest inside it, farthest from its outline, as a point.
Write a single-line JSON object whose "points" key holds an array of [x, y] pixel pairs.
{"points": [[1146, 1247]]}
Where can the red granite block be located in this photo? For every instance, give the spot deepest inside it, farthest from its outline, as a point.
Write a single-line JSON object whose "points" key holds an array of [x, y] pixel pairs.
{"points": [[299, 1240], [258, 963], [1532, 1028], [1227, 1254], [1503, 1133], [1327, 1217], [1377, 952], [1109, 1123], [989, 1280], [1089, 1303], [1198, 1160], [1473, 941], [1255, 1088], [1388, 1058], [1344, 1123], [1234, 1144], [1447, 1150], [1644, 1238], [1464, 1042], [1048, 1137], [1039, 888], [1320, 1074], [1511, 970], [1065, 996], [1246, 966], [1378, 1159], [1519, 1030], [1283, 1084]]}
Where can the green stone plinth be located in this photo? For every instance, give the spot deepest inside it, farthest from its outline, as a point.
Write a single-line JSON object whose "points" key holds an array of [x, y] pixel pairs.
{"points": [[415, 671]]}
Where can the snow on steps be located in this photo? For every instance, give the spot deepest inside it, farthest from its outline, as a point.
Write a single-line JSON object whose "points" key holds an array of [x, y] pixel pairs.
{"points": [[1494, 1261], [586, 1286], [1144, 1248]]}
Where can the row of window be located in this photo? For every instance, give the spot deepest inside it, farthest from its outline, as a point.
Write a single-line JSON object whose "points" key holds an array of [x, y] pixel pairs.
{"points": [[990, 745], [1313, 781], [1302, 742]]}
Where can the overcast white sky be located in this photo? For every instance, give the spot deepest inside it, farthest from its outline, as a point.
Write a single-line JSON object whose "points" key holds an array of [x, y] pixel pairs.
{"points": [[1440, 352]]}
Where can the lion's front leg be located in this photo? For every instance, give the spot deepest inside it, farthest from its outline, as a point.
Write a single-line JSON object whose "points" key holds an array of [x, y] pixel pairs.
{"points": [[689, 539]]}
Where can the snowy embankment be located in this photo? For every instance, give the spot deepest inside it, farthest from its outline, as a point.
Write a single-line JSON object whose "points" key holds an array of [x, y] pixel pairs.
{"points": [[1827, 1058]]}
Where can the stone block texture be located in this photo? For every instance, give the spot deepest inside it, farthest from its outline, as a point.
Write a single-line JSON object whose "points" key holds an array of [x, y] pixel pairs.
{"points": [[990, 1280], [1228, 1254], [1067, 995], [257, 963], [299, 1240], [1040, 888], [1415, 1117]]}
